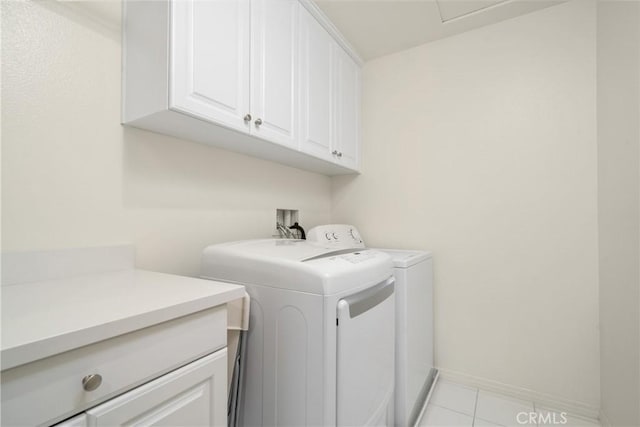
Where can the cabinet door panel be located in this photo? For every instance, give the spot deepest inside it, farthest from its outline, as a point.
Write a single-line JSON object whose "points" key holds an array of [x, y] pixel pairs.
{"points": [[316, 97], [274, 69], [347, 109], [194, 395], [209, 71]]}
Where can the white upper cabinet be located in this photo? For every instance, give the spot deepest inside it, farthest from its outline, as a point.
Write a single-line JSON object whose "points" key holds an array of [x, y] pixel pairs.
{"points": [[316, 87], [210, 60], [234, 63], [274, 55], [269, 78], [347, 106], [329, 96]]}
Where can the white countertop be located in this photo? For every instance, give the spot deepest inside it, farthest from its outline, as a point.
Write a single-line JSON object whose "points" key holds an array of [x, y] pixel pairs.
{"points": [[41, 319]]}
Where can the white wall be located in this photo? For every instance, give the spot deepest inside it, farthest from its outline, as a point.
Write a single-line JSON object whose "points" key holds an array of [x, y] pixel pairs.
{"points": [[619, 209], [73, 176], [482, 148]]}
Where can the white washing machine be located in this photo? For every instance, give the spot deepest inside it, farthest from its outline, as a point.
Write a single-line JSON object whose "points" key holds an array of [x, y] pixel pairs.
{"points": [[414, 371], [320, 347], [413, 271]]}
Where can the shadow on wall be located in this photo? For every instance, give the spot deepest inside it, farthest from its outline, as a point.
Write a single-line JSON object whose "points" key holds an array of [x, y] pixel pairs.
{"points": [[181, 196], [167, 173]]}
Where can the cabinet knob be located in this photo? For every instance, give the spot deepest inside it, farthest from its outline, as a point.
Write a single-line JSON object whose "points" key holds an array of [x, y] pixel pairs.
{"points": [[334, 152], [247, 118], [339, 153], [258, 122], [91, 382]]}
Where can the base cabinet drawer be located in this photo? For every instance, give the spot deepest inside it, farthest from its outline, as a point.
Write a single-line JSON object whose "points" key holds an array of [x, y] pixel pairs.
{"points": [[77, 421], [47, 391], [194, 395]]}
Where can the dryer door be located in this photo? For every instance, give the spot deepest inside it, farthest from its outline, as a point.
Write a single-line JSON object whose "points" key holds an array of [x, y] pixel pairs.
{"points": [[365, 362]]}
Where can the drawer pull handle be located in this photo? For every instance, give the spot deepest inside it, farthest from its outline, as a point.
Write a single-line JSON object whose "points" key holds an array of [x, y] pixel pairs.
{"points": [[91, 382]]}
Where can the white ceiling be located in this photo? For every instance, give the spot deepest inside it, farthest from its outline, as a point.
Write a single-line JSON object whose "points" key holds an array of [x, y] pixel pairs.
{"points": [[378, 27], [381, 27]]}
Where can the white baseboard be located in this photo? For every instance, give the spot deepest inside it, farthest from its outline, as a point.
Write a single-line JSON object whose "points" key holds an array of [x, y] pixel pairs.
{"points": [[572, 407], [426, 401]]}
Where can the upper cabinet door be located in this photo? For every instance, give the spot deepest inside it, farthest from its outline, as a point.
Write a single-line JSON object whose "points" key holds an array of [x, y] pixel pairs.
{"points": [[274, 54], [347, 118], [316, 88], [210, 54]]}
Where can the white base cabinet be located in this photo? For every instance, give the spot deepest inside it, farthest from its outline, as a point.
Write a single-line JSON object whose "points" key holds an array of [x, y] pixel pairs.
{"points": [[173, 373], [194, 395], [268, 78]]}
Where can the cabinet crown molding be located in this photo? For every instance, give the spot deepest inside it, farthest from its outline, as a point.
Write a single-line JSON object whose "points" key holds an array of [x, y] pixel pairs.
{"points": [[324, 20]]}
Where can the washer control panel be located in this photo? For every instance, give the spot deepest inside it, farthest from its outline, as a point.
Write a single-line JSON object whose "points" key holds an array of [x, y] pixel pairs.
{"points": [[358, 257], [336, 235]]}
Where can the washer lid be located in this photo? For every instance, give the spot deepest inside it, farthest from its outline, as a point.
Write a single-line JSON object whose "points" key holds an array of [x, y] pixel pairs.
{"points": [[286, 249], [403, 259], [295, 265]]}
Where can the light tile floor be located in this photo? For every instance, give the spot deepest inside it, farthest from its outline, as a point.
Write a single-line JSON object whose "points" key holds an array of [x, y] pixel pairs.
{"points": [[454, 404]]}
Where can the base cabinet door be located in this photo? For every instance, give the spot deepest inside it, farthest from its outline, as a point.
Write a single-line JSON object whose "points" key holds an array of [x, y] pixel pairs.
{"points": [[194, 395]]}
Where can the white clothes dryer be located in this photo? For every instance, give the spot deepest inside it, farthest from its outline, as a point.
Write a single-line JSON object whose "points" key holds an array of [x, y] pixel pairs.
{"points": [[320, 347], [415, 373]]}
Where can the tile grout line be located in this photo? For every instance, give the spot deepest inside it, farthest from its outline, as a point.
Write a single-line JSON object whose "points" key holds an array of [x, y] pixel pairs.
{"points": [[457, 411], [534, 406]]}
